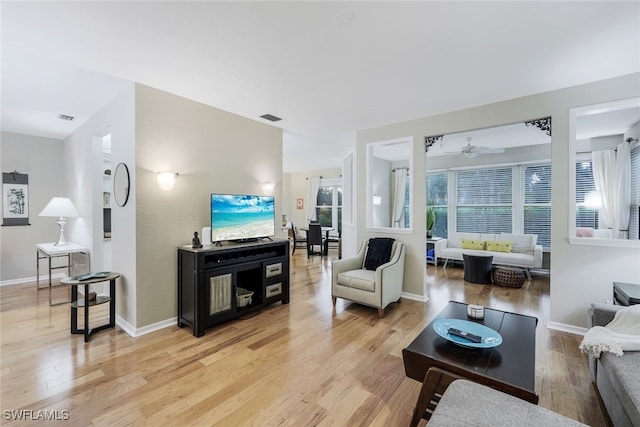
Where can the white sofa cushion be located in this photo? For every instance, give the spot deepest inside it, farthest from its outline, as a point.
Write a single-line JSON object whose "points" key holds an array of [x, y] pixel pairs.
{"points": [[521, 243]]}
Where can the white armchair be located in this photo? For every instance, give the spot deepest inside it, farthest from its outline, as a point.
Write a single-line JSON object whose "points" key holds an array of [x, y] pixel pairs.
{"points": [[376, 288]]}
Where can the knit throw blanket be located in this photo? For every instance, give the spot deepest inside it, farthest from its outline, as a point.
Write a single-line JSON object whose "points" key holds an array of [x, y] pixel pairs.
{"points": [[379, 252], [622, 334]]}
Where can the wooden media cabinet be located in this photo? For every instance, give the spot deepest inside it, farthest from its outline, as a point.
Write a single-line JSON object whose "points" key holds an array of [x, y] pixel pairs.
{"points": [[214, 282]]}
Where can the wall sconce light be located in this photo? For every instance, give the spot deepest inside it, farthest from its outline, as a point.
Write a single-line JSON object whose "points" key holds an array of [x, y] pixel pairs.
{"points": [[377, 200], [166, 180], [268, 187], [60, 207]]}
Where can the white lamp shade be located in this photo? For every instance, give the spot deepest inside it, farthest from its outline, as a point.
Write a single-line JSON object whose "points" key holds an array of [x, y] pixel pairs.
{"points": [[60, 207], [166, 180]]}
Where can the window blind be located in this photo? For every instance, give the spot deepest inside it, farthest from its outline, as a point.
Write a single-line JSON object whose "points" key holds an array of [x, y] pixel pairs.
{"points": [[484, 200], [585, 217], [537, 203]]}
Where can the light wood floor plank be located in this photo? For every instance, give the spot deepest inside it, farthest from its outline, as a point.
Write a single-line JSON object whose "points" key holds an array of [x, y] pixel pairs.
{"points": [[305, 363]]}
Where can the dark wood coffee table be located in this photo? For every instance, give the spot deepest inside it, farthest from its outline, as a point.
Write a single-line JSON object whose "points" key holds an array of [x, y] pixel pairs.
{"points": [[510, 367]]}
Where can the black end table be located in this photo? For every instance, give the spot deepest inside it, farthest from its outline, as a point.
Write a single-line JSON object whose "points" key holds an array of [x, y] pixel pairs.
{"points": [[100, 299], [477, 268]]}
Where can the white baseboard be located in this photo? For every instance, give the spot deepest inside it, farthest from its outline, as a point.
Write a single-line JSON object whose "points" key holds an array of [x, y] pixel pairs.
{"points": [[415, 297], [32, 279], [563, 327], [136, 332]]}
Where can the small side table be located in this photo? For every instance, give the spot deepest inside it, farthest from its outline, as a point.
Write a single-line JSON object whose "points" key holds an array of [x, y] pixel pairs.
{"points": [[100, 299], [48, 251], [477, 268]]}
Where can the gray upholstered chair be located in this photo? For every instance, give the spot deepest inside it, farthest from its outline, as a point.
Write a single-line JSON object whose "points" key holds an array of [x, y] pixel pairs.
{"points": [[376, 288]]}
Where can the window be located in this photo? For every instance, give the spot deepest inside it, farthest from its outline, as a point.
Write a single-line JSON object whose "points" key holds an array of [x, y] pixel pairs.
{"points": [[329, 204], [437, 196], [537, 203], [612, 206], [507, 199], [386, 208], [484, 201]]}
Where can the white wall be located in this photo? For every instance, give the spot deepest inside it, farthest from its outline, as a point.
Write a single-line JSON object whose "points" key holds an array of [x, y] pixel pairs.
{"points": [[43, 160], [579, 274]]}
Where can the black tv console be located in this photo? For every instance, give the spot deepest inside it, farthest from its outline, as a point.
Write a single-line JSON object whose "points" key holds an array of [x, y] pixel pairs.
{"points": [[214, 282]]}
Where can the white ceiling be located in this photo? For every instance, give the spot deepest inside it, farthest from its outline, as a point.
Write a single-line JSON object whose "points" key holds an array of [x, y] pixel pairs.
{"points": [[328, 69]]}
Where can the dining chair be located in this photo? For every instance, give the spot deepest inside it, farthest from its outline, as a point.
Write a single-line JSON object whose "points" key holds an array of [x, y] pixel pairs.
{"points": [[299, 241], [335, 241], [314, 238]]}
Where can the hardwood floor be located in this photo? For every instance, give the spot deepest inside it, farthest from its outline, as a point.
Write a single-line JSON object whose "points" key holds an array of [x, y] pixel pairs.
{"points": [[300, 364]]}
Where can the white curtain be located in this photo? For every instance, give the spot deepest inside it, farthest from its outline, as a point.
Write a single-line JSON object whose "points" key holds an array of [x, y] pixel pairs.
{"points": [[399, 189], [605, 178], [314, 186], [622, 196]]}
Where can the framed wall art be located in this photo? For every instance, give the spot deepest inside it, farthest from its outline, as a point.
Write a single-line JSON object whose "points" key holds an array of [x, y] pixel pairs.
{"points": [[15, 198]]}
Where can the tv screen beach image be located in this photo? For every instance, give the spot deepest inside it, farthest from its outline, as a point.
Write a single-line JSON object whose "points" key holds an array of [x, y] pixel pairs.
{"points": [[237, 217]]}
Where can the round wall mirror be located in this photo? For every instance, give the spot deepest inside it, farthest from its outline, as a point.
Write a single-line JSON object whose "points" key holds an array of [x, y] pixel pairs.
{"points": [[121, 184]]}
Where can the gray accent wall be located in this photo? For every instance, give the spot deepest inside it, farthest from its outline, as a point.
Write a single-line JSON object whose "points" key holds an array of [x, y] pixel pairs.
{"points": [[214, 152], [43, 160]]}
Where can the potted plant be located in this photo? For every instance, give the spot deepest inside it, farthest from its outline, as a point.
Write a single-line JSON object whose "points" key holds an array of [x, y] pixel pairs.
{"points": [[431, 218]]}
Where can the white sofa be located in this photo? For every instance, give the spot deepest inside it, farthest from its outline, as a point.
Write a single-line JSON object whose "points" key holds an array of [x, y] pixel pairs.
{"points": [[525, 252]]}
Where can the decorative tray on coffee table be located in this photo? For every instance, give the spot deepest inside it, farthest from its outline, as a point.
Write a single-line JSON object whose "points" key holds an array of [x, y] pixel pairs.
{"points": [[489, 337]]}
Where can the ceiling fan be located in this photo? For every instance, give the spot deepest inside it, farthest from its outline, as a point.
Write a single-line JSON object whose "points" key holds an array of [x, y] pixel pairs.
{"points": [[471, 151]]}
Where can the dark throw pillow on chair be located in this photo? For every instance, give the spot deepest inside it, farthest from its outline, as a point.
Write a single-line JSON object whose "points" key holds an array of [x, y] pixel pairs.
{"points": [[379, 252]]}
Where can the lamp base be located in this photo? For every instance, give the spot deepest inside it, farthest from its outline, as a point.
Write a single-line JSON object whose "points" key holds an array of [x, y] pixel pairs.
{"points": [[61, 240]]}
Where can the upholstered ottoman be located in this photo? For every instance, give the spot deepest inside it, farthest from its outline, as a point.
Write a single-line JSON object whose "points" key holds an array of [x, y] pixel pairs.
{"points": [[477, 267], [465, 403], [511, 277]]}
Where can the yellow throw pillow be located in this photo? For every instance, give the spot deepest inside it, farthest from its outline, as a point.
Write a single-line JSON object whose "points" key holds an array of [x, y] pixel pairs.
{"points": [[472, 244], [499, 246]]}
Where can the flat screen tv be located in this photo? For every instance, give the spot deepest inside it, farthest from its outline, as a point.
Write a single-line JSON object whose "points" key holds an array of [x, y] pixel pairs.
{"points": [[241, 217]]}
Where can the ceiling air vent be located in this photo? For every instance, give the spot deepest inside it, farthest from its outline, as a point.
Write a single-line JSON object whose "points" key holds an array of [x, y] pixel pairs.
{"points": [[65, 117], [271, 117]]}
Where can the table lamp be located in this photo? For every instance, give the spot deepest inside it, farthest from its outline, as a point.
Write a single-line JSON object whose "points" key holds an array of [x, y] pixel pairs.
{"points": [[62, 208]]}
